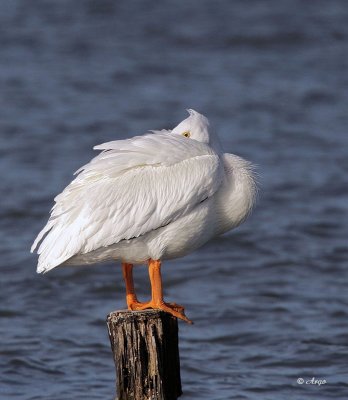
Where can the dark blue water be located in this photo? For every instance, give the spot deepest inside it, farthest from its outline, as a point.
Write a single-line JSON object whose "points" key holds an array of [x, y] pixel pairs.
{"points": [[270, 300]]}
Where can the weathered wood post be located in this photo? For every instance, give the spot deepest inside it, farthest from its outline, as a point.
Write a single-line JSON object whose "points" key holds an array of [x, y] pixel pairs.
{"points": [[146, 354]]}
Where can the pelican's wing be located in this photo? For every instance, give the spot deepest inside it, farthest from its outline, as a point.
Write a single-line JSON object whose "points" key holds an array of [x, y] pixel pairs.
{"points": [[133, 187]]}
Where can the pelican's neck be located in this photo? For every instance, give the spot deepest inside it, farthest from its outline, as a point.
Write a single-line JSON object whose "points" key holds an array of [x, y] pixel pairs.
{"points": [[237, 195]]}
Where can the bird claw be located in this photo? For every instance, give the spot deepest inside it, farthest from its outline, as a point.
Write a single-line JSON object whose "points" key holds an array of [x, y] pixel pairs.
{"points": [[176, 310], [132, 302], [172, 308], [176, 307]]}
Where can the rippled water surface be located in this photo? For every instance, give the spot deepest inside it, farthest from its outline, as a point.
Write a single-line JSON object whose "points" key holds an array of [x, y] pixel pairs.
{"points": [[269, 300]]}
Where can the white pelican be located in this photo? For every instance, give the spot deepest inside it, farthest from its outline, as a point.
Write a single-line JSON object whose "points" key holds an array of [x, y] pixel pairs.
{"points": [[146, 199]]}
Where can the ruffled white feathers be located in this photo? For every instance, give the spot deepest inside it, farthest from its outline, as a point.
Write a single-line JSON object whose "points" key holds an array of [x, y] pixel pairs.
{"points": [[134, 186], [172, 192]]}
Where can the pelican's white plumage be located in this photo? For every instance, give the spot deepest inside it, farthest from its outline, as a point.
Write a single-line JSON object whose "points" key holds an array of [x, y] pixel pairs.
{"points": [[155, 196]]}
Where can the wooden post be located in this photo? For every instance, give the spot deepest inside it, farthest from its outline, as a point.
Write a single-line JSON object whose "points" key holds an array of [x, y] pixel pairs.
{"points": [[146, 354]]}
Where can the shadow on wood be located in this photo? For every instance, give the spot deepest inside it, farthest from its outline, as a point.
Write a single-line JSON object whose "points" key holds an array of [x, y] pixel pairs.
{"points": [[146, 354]]}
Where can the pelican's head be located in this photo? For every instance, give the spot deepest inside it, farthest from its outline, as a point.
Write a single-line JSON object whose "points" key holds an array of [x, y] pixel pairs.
{"points": [[196, 127]]}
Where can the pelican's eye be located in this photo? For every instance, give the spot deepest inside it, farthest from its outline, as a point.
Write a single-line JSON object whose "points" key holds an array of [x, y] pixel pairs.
{"points": [[186, 134]]}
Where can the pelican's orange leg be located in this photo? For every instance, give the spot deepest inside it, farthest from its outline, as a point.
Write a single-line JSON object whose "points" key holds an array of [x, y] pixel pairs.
{"points": [[131, 297], [157, 294]]}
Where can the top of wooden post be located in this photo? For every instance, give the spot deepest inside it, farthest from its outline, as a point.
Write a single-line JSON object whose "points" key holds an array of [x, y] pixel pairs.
{"points": [[146, 354]]}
